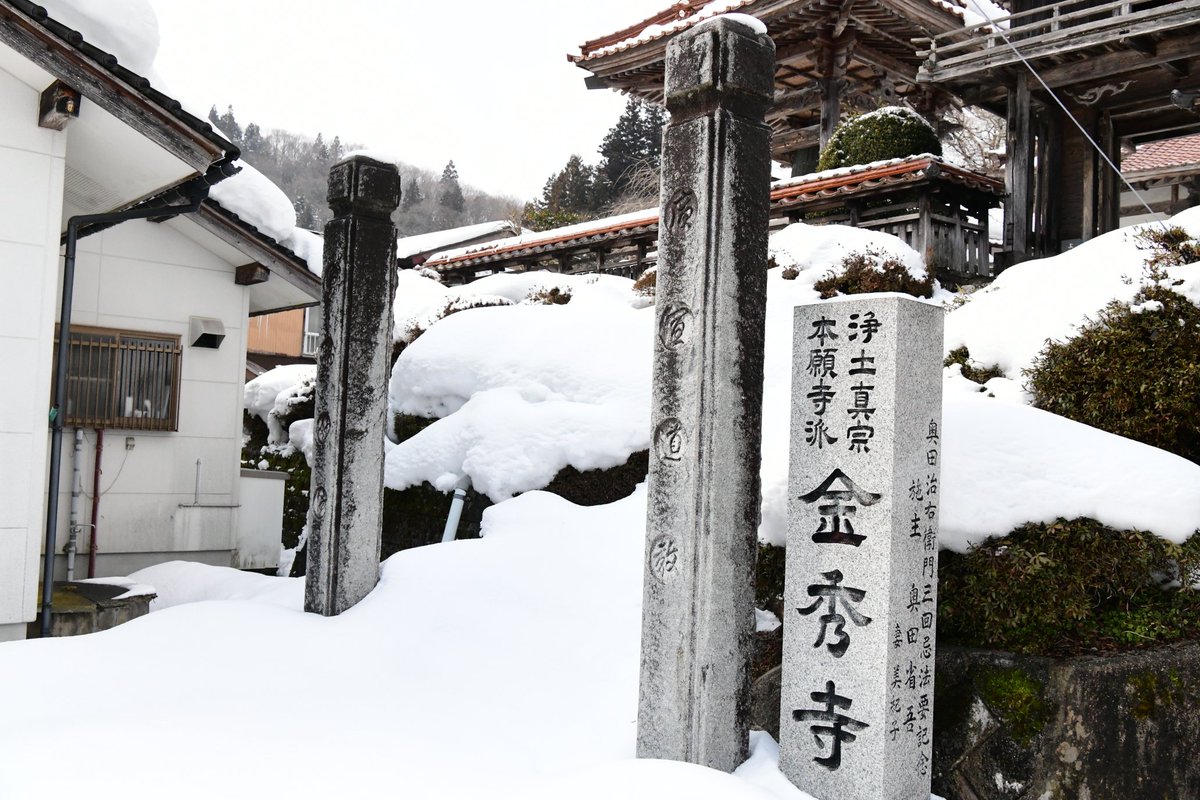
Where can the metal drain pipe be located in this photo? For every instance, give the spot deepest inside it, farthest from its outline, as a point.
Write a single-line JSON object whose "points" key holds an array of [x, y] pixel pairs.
{"points": [[198, 190]]}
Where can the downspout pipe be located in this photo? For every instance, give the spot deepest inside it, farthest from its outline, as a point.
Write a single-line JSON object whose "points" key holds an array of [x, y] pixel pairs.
{"points": [[76, 496], [199, 190], [456, 508], [94, 547]]}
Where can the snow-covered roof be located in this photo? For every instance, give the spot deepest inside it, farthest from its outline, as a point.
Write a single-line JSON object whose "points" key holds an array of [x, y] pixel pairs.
{"points": [[685, 14], [802, 189], [430, 242], [108, 51]]}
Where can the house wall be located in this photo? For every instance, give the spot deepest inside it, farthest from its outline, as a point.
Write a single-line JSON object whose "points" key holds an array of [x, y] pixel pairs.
{"points": [[149, 277], [281, 333], [32, 162]]}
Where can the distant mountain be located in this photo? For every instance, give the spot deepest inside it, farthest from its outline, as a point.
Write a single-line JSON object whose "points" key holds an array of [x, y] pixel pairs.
{"points": [[299, 165]]}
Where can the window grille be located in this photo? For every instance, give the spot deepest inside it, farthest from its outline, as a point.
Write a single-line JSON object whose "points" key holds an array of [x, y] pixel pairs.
{"points": [[122, 380]]}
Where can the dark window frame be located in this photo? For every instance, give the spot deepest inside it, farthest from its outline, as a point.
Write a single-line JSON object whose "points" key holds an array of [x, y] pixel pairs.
{"points": [[129, 379]]}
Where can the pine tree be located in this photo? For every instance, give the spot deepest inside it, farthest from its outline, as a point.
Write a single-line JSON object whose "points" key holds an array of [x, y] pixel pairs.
{"points": [[252, 139], [412, 194], [227, 123], [572, 190], [633, 144], [320, 151], [449, 192], [335, 149], [305, 217]]}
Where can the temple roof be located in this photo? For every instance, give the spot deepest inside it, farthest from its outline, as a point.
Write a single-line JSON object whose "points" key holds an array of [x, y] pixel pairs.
{"points": [[872, 37]]}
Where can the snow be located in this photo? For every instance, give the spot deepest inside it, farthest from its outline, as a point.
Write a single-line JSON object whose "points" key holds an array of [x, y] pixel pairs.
{"points": [[257, 200], [504, 667], [524, 390], [127, 29], [180, 582], [979, 12], [132, 588], [260, 395], [1008, 323], [816, 250], [1005, 464], [439, 240], [648, 215], [515, 402], [854, 169]]}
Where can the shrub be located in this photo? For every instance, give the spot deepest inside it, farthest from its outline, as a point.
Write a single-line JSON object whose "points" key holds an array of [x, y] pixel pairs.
{"points": [[295, 492], [647, 283], [972, 370], [890, 132], [1169, 246], [872, 271], [1134, 371], [596, 487], [550, 296], [1069, 587]]}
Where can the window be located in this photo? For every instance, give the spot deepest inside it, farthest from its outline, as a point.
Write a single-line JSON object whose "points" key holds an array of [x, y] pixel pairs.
{"points": [[312, 331], [122, 379]]}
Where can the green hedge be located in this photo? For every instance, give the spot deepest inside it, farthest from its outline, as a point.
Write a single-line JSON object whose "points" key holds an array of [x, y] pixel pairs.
{"points": [[867, 271], [1069, 587], [891, 132], [1133, 374]]}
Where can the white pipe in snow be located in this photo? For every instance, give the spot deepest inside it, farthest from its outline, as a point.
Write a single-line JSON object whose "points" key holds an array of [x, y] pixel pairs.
{"points": [[456, 507], [76, 494]]}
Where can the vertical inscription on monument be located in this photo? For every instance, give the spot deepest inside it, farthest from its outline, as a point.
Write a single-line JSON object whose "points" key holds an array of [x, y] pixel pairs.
{"points": [[861, 588]]}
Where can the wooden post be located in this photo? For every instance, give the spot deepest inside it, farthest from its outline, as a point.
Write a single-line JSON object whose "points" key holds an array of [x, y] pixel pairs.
{"points": [[833, 56], [1108, 202], [925, 229], [1017, 210]]}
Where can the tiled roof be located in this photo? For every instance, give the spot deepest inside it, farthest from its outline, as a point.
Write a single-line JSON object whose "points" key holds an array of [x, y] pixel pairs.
{"points": [[1164, 153], [680, 16], [846, 182]]}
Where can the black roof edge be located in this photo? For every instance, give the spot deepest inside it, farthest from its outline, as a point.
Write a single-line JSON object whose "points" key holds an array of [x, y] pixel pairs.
{"points": [[142, 84]]}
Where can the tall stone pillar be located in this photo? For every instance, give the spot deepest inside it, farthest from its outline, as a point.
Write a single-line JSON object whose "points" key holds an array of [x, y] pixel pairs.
{"points": [[352, 375], [708, 371]]}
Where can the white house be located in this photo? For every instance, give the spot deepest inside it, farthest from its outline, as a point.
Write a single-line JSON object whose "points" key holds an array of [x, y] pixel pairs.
{"points": [[158, 320]]}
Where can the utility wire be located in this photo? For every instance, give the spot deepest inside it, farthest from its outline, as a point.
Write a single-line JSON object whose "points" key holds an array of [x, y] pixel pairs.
{"points": [[1070, 116]]}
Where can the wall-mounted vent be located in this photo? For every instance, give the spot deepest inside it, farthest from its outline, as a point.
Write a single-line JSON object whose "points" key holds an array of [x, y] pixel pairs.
{"points": [[205, 332]]}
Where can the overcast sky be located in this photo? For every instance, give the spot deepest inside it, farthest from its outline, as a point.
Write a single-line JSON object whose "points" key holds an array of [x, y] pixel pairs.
{"points": [[486, 84]]}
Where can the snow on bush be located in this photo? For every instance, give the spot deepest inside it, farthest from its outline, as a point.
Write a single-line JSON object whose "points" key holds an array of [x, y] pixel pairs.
{"points": [[524, 390], [1008, 323], [271, 394]]}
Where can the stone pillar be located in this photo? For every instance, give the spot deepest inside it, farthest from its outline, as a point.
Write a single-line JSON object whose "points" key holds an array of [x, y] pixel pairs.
{"points": [[860, 595], [708, 371], [346, 511]]}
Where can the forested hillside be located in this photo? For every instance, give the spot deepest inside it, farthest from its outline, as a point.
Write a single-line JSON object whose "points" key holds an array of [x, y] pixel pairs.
{"points": [[299, 165]]}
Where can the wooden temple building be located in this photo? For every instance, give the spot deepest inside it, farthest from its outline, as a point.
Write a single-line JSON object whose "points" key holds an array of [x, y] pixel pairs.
{"points": [[1127, 70], [938, 209]]}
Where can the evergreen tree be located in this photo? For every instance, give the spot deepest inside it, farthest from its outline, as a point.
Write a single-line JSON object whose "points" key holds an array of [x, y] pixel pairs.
{"points": [[572, 190], [252, 139], [634, 143], [449, 192], [320, 151], [305, 217], [227, 123], [336, 151], [412, 194]]}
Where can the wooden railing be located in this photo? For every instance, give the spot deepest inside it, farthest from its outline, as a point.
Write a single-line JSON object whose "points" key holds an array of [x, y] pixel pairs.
{"points": [[1052, 29]]}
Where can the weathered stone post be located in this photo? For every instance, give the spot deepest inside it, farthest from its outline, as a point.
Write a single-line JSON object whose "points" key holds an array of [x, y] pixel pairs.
{"points": [[708, 371], [860, 595], [346, 503]]}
